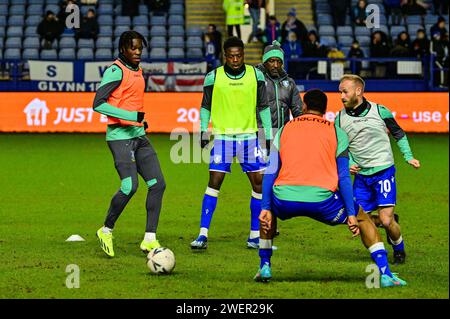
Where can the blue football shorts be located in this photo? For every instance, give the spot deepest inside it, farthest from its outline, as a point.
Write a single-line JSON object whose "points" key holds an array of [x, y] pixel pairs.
{"points": [[247, 152], [374, 191]]}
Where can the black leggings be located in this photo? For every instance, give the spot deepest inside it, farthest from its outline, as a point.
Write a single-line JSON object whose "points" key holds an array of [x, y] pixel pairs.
{"points": [[238, 30]]}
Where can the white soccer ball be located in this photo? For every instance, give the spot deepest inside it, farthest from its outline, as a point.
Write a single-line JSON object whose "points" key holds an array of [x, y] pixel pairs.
{"points": [[161, 260]]}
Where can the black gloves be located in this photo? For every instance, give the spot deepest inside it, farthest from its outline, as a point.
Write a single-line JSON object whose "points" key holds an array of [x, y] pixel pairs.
{"points": [[204, 139], [268, 147], [140, 117], [145, 125]]}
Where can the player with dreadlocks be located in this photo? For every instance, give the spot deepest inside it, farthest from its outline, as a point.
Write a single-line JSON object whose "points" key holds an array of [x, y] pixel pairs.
{"points": [[121, 98]]}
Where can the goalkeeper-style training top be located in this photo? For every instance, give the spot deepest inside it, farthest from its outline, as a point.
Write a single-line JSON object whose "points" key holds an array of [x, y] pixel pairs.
{"points": [[367, 126], [120, 96], [310, 164], [231, 102]]}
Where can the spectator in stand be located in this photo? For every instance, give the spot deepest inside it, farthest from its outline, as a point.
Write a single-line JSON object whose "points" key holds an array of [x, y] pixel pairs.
{"points": [[439, 26], [234, 12], [292, 24], [312, 47], [216, 38], [254, 7], [210, 53], [379, 48], [339, 10], [292, 48], [158, 7], [88, 26], [439, 46], [272, 31], [402, 47], [356, 52], [336, 53], [393, 9], [414, 7], [421, 45], [130, 7], [49, 29], [359, 13], [440, 7]]}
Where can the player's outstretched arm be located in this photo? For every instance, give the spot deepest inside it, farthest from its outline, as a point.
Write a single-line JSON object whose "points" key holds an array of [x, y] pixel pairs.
{"points": [[414, 163]]}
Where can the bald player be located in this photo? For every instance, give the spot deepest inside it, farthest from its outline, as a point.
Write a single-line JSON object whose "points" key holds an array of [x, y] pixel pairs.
{"points": [[308, 175], [372, 162]]}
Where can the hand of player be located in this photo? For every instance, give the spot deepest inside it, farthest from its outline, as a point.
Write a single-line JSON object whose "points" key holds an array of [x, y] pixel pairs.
{"points": [[204, 139], [140, 117], [145, 125], [352, 223], [354, 169], [414, 163], [265, 220]]}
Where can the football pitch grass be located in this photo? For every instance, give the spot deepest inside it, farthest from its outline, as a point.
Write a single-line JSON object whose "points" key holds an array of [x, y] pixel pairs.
{"points": [[56, 185]]}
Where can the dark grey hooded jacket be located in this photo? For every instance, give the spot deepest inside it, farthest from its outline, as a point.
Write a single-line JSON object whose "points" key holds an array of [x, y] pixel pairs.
{"points": [[282, 96]]}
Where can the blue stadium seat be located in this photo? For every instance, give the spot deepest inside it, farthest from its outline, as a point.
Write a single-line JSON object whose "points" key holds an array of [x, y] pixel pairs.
{"points": [[30, 54], [41, 2], [177, 1], [67, 43], [122, 21], [105, 9], [194, 42], [31, 43], [328, 40], [176, 42], [382, 28], [175, 53], [363, 40], [35, 9], [3, 21], [17, 9], [412, 30], [105, 31], [158, 53], [68, 33], [324, 19], [390, 21], [49, 54], [52, 1], [31, 31], [118, 10], [104, 20], [322, 8], [85, 54], [22, 2], [85, 43], [104, 43], [103, 54], [1, 42], [120, 29], [326, 30], [176, 31], [194, 32], [3, 9], [51, 7], [67, 54], [2, 32], [344, 30], [13, 43], [176, 20], [345, 50], [158, 31], [158, 20], [428, 30], [414, 20], [431, 19], [12, 53], [33, 20], [142, 29], [140, 20], [345, 40], [362, 31], [396, 30], [194, 53], [158, 42], [16, 20], [176, 9], [144, 54], [14, 31]]}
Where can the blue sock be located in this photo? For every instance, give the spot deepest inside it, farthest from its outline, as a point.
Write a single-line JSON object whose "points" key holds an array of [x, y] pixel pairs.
{"points": [[208, 207], [265, 255], [379, 256], [255, 208], [398, 245]]}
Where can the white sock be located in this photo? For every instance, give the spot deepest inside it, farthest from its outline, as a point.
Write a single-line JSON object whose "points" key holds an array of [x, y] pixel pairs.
{"points": [[254, 234], [106, 230], [265, 244], [398, 241], [148, 237], [203, 232]]}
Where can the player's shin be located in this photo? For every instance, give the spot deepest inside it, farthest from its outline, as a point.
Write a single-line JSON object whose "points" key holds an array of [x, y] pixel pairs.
{"points": [[208, 207], [255, 208]]}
